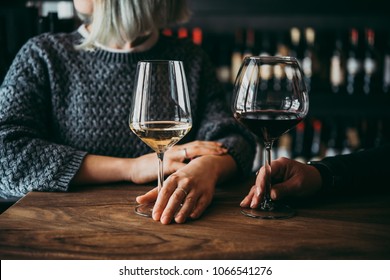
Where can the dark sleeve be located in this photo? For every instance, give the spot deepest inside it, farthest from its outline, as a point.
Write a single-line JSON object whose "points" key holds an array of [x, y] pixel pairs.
{"points": [[360, 171], [28, 159]]}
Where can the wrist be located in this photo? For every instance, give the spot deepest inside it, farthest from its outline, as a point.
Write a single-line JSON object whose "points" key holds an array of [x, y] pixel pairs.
{"points": [[128, 169], [219, 167], [328, 179]]}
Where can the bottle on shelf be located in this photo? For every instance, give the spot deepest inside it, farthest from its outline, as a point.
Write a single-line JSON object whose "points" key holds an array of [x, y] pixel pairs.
{"points": [[298, 152], [266, 70], [295, 49], [351, 141], [266, 44], [167, 32], [282, 49], [249, 43], [316, 145], [236, 58], [332, 146], [337, 66], [197, 36], [379, 137], [310, 62], [386, 67], [353, 64], [284, 146], [370, 64], [223, 62], [182, 32]]}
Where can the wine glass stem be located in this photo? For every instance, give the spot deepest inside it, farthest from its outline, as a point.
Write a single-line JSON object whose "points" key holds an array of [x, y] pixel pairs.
{"points": [[160, 156], [267, 202]]}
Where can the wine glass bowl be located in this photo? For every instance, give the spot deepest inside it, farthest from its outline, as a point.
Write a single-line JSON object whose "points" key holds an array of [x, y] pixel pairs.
{"points": [[269, 98], [160, 113]]}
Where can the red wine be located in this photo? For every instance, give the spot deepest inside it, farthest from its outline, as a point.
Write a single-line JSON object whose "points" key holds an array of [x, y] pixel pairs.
{"points": [[268, 126]]}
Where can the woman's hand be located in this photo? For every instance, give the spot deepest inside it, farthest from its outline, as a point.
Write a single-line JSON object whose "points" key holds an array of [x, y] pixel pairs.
{"points": [[192, 186], [144, 168], [289, 179]]}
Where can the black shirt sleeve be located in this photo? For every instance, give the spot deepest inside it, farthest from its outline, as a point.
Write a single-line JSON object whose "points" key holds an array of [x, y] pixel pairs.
{"points": [[358, 171]]}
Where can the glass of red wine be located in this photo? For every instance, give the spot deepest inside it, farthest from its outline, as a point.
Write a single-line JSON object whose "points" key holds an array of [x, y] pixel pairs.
{"points": [[269, 98]]}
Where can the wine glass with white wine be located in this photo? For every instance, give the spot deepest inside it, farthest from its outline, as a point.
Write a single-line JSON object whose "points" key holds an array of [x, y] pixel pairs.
{"points": [[160, 111]]}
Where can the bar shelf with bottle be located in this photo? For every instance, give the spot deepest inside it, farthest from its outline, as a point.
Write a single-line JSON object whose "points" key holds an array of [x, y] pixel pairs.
{"points": [[349, 84]]}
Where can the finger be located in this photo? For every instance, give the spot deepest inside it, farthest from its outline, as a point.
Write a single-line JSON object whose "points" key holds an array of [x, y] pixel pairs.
{"points": [[283, 189], [163, 198], [148, 197], [248, 198], [173, 205], [279, 168], [201, 205], [186, 209]]}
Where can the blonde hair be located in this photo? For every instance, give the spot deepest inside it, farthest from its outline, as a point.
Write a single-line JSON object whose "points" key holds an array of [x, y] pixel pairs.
{"points": [[122, 21]]}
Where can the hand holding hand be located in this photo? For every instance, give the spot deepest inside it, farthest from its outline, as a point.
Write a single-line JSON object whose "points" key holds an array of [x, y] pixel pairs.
{"points": [[145, 167]]}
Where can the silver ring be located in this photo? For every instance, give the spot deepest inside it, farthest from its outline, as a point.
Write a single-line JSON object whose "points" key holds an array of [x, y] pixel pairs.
{"points": [[185, 153], [183, 190]]}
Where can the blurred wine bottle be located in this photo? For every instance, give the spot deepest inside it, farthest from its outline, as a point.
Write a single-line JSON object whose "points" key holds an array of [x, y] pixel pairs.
{"points": [[236, 58], [282, 49], [223, 54], [182, 32], [284, 146], [167, 32], [371, 82], [351, 141], [197, 36], [266, 44], [379, 137], [295, 49], [337, 66], [316, 145], [354, 64], [333, 147], [310, 60], [249, 43], [266, 70], [298, 152], [386, 67]]}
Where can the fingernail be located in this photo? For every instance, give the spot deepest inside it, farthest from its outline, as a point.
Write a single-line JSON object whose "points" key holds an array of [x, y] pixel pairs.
{"points": [[253, 205], [179, 219], [155, 216], [165, 220]]}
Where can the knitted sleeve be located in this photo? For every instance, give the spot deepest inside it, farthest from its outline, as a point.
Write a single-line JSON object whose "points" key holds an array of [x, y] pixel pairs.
{"points": [[28, 159], [218, 123]]}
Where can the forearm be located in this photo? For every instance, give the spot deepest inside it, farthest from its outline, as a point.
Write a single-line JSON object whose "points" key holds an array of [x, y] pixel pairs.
{"points": [[102, 169]]}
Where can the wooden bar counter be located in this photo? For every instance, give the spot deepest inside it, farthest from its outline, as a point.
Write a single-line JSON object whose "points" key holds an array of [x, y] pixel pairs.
{"points": [[98, 222]]}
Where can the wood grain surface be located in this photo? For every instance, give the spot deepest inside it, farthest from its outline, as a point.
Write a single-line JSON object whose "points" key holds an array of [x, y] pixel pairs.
{"points": [[98, 222]]}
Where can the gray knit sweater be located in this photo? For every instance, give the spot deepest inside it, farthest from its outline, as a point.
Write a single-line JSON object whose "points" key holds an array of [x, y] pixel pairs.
{"points": [[57, 104]]}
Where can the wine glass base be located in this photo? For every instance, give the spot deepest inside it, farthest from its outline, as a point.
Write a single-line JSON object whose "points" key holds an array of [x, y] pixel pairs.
{"points": [[145, 210], [277, 211]]}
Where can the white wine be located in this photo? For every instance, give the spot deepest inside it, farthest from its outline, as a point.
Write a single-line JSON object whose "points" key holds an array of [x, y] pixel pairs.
{"points": [[160, 135]]}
